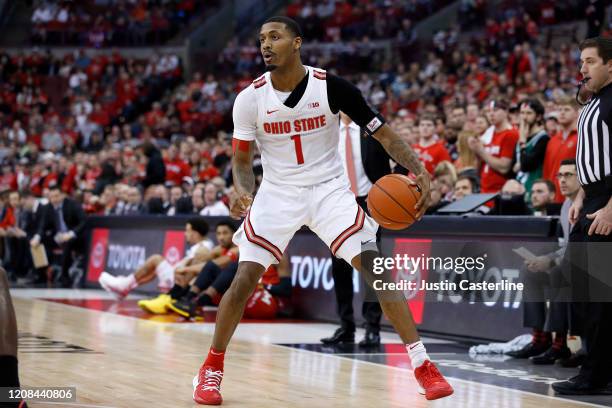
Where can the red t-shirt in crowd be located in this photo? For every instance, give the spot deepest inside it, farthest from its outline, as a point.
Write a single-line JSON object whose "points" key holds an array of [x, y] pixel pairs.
{"points": [[558, 150], [431, 155], [176, 170], [208, 173], [502, 144]]}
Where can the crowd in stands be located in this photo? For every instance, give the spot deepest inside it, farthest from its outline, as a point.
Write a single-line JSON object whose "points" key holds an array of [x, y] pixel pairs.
{"points": [[102, 23], [130, 137]]}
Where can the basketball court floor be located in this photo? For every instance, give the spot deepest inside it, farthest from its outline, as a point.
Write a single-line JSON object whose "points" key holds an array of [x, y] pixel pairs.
{"points": [[118, 356]]}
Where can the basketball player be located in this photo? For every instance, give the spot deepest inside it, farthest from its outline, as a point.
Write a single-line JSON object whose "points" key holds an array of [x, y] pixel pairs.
{"points": [[196, 231], [291, 112], [9, 375], [221, 257]]}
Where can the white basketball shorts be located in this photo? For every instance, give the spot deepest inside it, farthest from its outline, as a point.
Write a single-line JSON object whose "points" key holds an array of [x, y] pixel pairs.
{"points": [[165, 275], [329, 209]]}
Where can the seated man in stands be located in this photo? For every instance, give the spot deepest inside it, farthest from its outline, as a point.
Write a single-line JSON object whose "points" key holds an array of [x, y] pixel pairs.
{"points": [[542, 275], [464, 186], [220, 265], [543, 198], [212, 282], [196, 231]]}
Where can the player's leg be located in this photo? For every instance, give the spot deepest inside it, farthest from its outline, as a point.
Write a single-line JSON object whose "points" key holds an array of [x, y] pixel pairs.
{"points": [[261, 239], [9, 375], [233, 302], [122, 285], [351, 234], [395, 307]]}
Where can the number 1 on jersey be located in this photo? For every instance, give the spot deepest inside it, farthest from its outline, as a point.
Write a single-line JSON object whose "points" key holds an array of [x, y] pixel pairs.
{"points": [[297, 140]]}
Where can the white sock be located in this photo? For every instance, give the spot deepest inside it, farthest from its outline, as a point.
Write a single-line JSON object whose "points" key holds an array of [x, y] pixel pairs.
{"points": [[417, 354], [130, 281]]}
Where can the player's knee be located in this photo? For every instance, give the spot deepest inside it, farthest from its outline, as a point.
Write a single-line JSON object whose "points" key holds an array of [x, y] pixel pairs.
{"points": [[246, 279], [157, 259]]}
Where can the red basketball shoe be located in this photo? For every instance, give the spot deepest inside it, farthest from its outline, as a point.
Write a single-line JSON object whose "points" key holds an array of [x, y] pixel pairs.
{"points": [[207, 386], [431, 382]]}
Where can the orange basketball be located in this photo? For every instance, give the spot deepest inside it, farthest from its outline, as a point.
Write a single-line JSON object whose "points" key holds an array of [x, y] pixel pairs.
{"points": [[391, 201]]}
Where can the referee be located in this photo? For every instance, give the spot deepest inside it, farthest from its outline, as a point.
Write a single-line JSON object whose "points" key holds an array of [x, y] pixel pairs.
{"points": [[591, 213]]}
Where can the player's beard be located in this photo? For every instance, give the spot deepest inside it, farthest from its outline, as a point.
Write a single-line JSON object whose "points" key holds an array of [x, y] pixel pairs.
{"points": [[271, 67]]}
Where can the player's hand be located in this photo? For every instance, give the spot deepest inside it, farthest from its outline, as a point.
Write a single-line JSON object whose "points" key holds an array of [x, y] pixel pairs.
{"points": [[241, 205], [423, 181], [602, 221], [574, 211]]}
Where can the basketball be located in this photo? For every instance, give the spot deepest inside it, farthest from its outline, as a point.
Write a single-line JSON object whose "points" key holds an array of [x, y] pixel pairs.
{"points": [[391, 201]]}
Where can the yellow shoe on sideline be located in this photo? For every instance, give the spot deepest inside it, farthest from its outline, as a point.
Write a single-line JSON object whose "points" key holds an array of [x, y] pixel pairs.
{"points": [[156, 305]]}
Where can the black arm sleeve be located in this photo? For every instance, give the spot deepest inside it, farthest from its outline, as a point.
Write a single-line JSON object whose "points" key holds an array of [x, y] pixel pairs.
{"points": [[346, 97], [534, 159]]}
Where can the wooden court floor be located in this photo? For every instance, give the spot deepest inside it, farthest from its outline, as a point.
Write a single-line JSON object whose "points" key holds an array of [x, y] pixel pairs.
{"points": [[121, 361]]}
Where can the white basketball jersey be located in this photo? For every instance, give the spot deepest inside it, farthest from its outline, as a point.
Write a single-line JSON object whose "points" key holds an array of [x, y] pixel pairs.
{"points": [[299, 146]]}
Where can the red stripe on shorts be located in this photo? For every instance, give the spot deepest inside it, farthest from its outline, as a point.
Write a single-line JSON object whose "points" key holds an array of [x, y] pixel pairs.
{"points": [[357, 225], [261, 241]]}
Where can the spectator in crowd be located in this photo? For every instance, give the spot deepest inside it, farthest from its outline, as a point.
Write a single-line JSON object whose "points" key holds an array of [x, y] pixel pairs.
{"points": [[430, 150], [64, 221], [197, 200], [467, 161], [19, 236], [543, 198], [196, 234], [134, 205], [155, 169], [531, 146], [444, 178], [176, 168], [542, 274], [497, 152], [213, 206], [464, 186], [176, 193], [562, 145], [511, 200]]}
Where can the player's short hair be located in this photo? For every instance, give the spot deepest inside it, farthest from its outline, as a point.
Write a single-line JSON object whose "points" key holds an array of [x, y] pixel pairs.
{"points": [[227, 224], [199, 225], [603, 45], [289, 23], [549, 184]]}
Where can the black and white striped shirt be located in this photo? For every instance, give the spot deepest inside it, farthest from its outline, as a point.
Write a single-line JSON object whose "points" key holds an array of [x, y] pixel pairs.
{"points": [[593, 151]]}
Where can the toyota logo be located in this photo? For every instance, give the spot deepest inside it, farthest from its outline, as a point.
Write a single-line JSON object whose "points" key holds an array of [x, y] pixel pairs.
{"points": [[97, 255], [173, 255]]}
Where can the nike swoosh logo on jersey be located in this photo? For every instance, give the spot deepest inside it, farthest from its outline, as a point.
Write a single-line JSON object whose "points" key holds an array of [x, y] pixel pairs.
{"points": [[271, 111]]}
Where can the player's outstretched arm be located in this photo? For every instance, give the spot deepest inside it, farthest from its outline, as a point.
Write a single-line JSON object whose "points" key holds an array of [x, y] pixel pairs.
{"points": [[403, 154], [244, 178]]}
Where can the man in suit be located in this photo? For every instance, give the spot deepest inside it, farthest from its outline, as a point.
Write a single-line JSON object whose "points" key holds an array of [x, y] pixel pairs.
{"points": [[64, 220], [365, 161]]}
